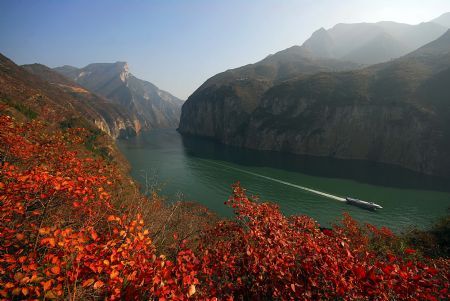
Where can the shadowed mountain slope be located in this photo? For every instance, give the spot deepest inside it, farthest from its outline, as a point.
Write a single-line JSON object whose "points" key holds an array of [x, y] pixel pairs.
{"points": [[396, 112]]}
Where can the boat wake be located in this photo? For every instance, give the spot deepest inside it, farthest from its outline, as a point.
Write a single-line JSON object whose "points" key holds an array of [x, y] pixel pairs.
{"points": [[334, 197]]}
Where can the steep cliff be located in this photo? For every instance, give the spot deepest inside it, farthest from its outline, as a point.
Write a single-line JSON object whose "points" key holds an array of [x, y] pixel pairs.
{"points": [[152, 107], [223, 104], [397, 112], [116, 121]]}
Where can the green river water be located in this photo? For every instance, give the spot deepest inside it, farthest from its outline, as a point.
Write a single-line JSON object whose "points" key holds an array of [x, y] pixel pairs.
{"points": [[202, 170]]}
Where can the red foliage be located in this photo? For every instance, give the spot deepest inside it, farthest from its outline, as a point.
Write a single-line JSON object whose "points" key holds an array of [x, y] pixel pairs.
{"points": [[58, 234], [60, 237], [265, 254]]}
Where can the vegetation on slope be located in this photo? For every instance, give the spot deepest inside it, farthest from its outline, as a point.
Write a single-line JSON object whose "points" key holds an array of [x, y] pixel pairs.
{"points": [[63, 233], [115, 120], [73, 227], [146, 103]]}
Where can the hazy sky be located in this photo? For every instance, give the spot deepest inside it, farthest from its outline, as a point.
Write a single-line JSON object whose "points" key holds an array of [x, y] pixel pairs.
{"points": [[177, 45]]}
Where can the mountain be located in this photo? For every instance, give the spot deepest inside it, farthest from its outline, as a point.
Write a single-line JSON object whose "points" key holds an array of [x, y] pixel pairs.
{"points": [[111, 118], [372, 43], [36, 90], [223, 104], [443, 20], [397, 112], [321, 43], [153, 108]]}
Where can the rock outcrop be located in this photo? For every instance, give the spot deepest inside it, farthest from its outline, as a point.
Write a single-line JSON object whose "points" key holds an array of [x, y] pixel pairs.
{"points": [[223, 105], [114, 120], [148, 105]]}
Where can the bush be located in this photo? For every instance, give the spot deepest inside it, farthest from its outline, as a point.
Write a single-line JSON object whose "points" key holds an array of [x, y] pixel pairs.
{"points": [[25, 110], [62, 237], [434, 242]]}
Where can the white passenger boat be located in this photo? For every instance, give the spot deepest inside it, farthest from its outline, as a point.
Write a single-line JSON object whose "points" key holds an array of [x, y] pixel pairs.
{"points": [[362, 204]]}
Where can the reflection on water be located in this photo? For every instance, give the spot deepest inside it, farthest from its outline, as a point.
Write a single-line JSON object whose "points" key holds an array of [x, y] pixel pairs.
{"points": [[204, 170], [358, 170]]}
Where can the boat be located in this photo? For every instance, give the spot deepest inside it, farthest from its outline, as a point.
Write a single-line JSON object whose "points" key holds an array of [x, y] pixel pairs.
{"points": [[362, 204]]}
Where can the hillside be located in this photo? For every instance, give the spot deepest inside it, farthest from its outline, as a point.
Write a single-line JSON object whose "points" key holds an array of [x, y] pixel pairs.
{"points": [[60, 100], [66, 198], [152, 107], [112, 119], [396, 112], [222, 105], [72, 228]]}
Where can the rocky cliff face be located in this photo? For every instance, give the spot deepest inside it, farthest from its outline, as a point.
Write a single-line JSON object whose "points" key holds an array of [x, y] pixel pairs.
{"points": [[392, 133], [111, 118], [397, 112], [222, 106], [149, 106]]}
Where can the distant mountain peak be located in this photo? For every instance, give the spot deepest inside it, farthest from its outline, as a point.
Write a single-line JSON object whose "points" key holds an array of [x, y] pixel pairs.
{"points": [[372, 43], [119, 66], [320, 43], [122, 66], [443, 20], [320, 30], [153, 107], [117, 69]]}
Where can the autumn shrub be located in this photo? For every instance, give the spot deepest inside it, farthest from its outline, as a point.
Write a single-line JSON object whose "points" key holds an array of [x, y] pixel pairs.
{"points": [[266, 255], [69, 231], [60, 235], [25, 110], [432, 242]]}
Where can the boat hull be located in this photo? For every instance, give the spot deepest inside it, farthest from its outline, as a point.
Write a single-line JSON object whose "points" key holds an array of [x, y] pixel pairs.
{"points": [[362, 204]]}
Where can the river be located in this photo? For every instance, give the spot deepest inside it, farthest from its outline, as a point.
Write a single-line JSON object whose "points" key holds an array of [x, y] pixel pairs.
{"points": [[190, 168]]}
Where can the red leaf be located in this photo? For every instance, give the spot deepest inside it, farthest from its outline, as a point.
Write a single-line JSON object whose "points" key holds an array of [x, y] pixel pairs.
{"points": [[191, 290], [87, 282], [98, 284], [55, 270], [410, 251], [293, 287], [360, 272], [47, 285], [25, 291], [94, 235]]}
